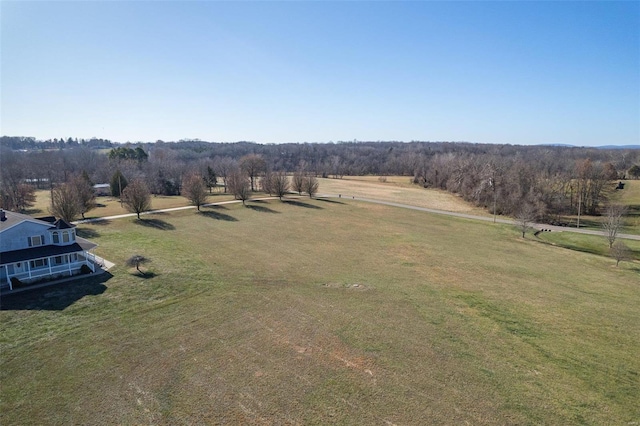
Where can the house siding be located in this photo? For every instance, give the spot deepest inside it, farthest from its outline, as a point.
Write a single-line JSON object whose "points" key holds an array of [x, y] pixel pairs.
{"points": [[17, 237]]}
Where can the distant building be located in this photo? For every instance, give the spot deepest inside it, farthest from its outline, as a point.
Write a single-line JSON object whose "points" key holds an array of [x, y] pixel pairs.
{"points": [[102, 189], [33, 249]]}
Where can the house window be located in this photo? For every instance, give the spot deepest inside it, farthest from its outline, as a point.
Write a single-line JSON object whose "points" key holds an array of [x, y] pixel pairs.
{"points": [[35, 241], [65, 237], [56, 238], [57, 260], [73, 257], [73, 235], [38, 263]]}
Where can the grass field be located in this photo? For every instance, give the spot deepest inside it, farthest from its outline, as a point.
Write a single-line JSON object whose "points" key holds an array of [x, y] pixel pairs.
{"points": [[587, 243], [398, 189], [326, 312]]}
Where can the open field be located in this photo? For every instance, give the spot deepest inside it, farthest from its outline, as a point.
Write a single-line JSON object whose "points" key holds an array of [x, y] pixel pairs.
{"points": [[326, 312], [398, 189]]}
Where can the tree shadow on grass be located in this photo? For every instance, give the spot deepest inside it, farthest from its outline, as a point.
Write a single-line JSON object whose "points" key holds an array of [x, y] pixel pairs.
{"points": [[327, 200], [144, 275], [56, 297], [87, 233], [633, 210], [218, 216], [155, 223], [101, 222], [261, 209], [301, 204], [217, 207]]}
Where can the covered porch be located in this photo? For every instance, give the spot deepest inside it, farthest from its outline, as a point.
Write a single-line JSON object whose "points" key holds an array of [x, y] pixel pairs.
{"points": [[47, 262]]}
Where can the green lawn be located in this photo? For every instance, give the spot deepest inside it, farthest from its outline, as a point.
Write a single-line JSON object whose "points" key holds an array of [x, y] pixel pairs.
{"points": [[588, 243], [326, 312]]}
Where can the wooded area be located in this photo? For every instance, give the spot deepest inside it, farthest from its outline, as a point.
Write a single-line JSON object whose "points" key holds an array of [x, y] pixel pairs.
{"points": [[554, 180]]}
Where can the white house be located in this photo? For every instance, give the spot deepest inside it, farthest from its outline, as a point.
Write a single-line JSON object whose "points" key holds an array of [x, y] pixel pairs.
{"points": [[33, 249]]}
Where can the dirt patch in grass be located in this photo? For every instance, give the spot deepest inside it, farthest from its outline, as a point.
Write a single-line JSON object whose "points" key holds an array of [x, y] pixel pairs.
{"points": [[348, 286]]}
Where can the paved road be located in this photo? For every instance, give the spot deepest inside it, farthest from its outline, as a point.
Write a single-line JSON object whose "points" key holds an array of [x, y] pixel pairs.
{"points": [[483, 218], [173, 209], [386, 203]]}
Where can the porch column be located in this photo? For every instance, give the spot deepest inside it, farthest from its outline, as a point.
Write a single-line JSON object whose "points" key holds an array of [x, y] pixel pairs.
{"points": [[28, 268], [69, 263], [6, 269], [49, 263]]}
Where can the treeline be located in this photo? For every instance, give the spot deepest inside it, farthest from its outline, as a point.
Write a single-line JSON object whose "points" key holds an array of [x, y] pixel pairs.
{"points": [[27, 143], [554, 180]]}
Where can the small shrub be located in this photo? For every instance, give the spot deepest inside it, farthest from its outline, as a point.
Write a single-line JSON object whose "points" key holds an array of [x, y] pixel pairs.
{"points": [[84, 269], [16, 283]]}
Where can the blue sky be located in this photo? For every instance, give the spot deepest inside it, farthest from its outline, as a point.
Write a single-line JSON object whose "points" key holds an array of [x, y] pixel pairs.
{"points": [[270, 72]]}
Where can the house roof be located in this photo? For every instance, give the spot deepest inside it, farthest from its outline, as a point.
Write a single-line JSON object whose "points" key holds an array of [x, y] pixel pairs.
{"points": [[63, 224], [13, 218], [44, 251], [85, 244], [50, 219]]}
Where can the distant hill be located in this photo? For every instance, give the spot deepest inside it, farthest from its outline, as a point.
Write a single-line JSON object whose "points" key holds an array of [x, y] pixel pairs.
{"points": [[566, 145], [619, 147]]}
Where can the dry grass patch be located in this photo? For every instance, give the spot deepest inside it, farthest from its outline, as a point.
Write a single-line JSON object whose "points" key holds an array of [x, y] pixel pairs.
{"points": [[397, 189]]}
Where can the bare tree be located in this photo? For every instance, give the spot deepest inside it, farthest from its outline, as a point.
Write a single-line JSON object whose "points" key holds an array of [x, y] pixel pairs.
{"points": [[525, 217], [24, 196], [136, 260], [195, 190], [311, 185], [84, 192], [136, 197], [252, 165], [65, 202], [619, 251], [266, 183], [297, 182], [613, 222], [279, 184], [239, 185], [211, 179], [223, 167]]}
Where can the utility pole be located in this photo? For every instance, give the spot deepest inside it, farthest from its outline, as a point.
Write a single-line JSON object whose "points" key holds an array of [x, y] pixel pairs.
{"points": [[579, 205], [493, 186], [120, 187]]}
